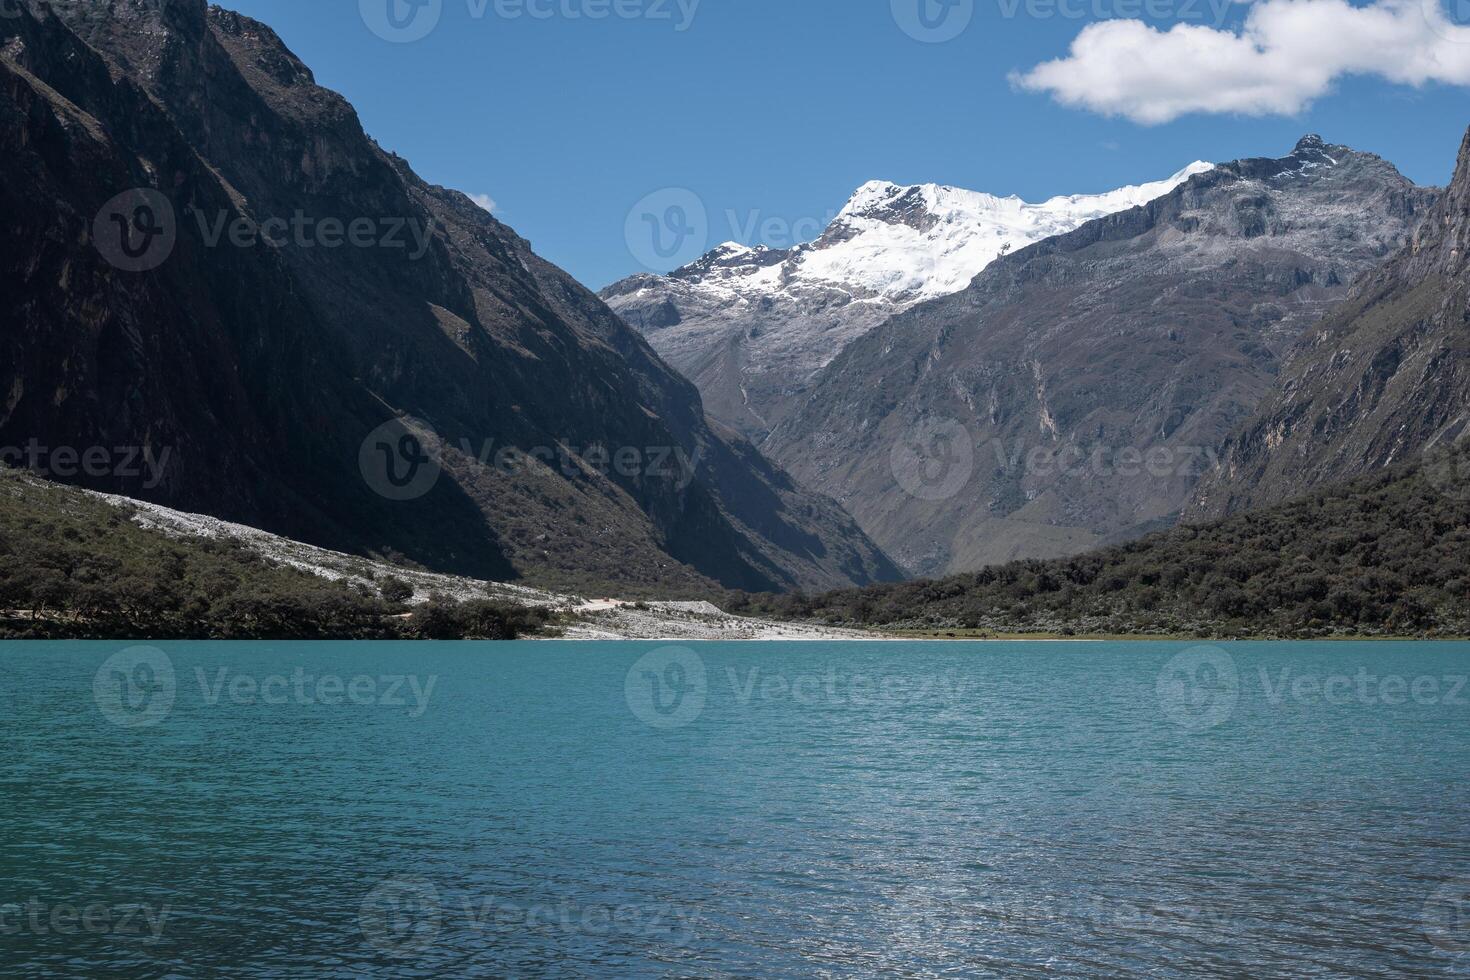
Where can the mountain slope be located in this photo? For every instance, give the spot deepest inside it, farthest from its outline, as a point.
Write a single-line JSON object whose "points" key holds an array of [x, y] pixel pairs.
{"points": [[1384, 379], [79, 565], [274, 368], [751, 326], [1075, 392], [1388, 554]]}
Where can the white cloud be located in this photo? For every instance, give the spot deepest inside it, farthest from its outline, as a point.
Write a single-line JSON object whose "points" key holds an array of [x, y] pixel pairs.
{"points": [[1287, 53], [485, 201]]}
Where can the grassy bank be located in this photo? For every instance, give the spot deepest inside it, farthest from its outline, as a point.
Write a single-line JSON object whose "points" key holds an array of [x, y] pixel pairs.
{"points": [[75, 567]]}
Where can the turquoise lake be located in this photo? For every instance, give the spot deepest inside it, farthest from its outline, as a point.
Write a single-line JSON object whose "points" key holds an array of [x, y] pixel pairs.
{"points": [[772, 810]]}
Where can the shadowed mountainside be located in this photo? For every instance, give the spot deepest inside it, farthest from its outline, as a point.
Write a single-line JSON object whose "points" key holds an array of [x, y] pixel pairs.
{"points": [[301, 386]]}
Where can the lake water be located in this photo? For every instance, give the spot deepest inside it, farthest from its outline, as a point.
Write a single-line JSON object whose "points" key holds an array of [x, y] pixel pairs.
{"points": [[913, 809]]}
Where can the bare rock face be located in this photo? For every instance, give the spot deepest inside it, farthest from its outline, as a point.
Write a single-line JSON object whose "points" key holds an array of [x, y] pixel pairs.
{"points": [[1076, 391], [274, 368], [1383, 380], [751, 327]]}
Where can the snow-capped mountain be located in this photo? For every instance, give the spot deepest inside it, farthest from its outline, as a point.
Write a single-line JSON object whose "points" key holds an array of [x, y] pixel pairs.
{"points": [[751, 325], [1074, 392]]}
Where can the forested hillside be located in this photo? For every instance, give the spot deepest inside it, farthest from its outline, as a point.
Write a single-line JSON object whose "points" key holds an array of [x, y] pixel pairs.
{"points": [[1385, 555]]}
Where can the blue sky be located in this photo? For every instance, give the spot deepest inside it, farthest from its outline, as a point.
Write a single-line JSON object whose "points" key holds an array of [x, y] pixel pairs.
{"points": [[774, 111]]}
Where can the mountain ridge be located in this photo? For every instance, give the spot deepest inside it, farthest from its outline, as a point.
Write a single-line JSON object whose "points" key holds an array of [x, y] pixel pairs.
{"points": [[1386, 377], [269, 368], [1146, 336], [751, 325]]}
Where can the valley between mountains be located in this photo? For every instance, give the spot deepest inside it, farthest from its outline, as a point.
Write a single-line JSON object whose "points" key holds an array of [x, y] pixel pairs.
{"points": [[946, 384], [1073, 390]]}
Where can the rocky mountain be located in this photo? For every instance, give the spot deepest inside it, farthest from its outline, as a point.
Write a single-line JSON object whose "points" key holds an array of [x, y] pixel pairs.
{"points": [[1381, 381], [1074, 393], [751, 326], [209, 265]]}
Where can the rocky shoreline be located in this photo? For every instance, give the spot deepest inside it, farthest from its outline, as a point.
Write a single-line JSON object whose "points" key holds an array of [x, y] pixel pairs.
{"points": [[582, 618]]}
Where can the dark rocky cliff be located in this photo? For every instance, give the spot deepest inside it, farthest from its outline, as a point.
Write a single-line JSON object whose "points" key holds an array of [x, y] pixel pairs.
{"points": [[265, 367]]}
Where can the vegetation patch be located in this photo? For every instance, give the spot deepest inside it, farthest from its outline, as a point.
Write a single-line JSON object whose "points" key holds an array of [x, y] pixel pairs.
{"points": [[76, 567], [1387, 555]]}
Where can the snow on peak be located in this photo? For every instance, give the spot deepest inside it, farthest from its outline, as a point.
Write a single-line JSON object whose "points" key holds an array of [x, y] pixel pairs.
{"points": [[918, 242], [1198, 167], [891, 247], [871, 194], [787, 312], [1097, 205]]}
